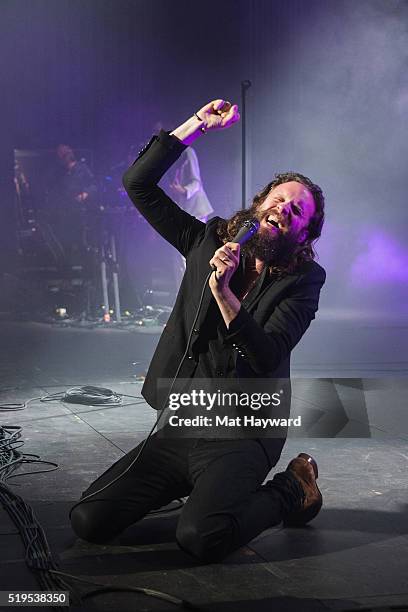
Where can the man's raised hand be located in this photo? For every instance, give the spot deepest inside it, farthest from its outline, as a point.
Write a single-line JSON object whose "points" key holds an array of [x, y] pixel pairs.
{"points": [[218, 115]]}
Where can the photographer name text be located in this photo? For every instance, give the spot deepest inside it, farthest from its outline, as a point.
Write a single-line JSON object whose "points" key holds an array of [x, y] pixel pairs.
{"points": [[239, 421]]}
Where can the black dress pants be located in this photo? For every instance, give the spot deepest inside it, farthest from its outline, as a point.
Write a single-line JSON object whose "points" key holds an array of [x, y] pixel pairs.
{"points": [[227, 505]]}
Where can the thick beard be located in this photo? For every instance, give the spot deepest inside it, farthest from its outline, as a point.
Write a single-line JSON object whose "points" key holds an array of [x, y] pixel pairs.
{"points": [[276, 251]]}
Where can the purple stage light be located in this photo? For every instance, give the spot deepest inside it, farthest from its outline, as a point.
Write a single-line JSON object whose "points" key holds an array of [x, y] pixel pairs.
{"points": [[384, 260]]}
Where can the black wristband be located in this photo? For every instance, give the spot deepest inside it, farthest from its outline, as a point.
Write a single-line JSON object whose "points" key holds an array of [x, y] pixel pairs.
{"points": [[202, 128]]}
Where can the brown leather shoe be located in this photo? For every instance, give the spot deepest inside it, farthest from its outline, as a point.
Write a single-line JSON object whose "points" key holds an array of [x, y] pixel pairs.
{"points": [[304, 467]]}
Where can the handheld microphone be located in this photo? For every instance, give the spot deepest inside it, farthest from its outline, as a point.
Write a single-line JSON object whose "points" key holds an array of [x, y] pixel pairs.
{"points": [[248, 229]]}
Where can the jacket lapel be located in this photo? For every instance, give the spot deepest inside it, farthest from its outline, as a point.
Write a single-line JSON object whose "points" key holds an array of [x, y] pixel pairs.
{"points": [[257, 289], [265, 285], [272, 286]]}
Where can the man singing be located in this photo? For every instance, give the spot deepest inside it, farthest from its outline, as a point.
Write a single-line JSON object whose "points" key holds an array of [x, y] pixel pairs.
{"points": [[260, 301]]}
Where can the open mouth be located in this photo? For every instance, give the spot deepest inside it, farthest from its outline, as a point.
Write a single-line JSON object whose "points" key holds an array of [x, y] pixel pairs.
{"points": [[273, 223]]}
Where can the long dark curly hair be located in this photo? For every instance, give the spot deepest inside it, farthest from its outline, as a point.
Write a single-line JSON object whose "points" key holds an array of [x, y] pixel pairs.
{"points": [[300, 253]]}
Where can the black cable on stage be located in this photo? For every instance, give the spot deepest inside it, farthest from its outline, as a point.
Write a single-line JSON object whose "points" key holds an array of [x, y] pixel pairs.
{"points": [[14, 406], [107, 587], [38, 555], [90, 395], [74, 413]]}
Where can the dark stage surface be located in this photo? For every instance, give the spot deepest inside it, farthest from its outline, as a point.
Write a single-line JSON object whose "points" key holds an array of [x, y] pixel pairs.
{"points": [[353, 555]]}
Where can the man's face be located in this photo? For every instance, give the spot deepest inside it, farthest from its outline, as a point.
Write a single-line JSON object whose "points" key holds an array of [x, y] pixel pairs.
{"points": [[287, 211]]}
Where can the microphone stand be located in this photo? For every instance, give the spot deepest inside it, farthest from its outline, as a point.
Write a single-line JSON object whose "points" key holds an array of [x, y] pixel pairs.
{"points": [[109, 258], [115, 277], [245, 85], [105, 294]]}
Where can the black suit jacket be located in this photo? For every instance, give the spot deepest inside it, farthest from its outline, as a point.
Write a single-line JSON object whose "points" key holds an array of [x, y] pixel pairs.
{"points": [[266, 329]]}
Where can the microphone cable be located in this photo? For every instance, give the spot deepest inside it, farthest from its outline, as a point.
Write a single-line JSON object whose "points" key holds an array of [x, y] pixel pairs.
{"points": [[87, 497]]}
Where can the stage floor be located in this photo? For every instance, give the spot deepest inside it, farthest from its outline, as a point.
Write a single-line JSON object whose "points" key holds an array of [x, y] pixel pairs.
{"points": [[353, 555]]}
